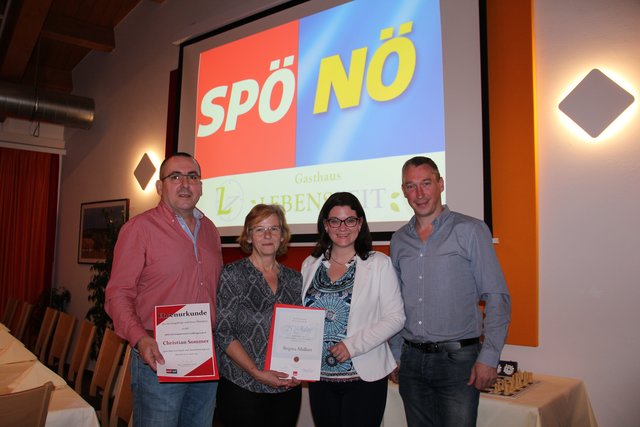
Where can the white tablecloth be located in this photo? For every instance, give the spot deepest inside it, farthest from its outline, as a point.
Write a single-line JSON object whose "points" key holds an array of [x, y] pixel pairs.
{"points": [[551, 401], [20, 370]]}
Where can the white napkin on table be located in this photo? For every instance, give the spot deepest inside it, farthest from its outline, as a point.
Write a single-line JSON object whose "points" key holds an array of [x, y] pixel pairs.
{"points": [[5, 338], [14, 352], [37, 375], [22, 376]]}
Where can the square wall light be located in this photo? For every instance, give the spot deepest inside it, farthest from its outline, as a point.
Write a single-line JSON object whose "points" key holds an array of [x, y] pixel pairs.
{"points": [[144, 171], [596, 102]]}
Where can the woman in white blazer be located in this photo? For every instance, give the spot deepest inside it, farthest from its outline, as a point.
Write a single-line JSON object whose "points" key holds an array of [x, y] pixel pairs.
{"points": [[359, 290]]}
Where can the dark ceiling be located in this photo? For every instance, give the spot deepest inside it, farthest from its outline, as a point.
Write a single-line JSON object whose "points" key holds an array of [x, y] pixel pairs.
{"points": [[41, 41]]}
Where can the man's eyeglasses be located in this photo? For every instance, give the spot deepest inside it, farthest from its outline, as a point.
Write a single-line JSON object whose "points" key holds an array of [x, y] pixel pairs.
{"points": [[176, 177], [273, 229], [350, 222]]}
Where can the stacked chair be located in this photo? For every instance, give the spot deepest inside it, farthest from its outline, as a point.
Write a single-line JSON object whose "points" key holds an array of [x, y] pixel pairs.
{"points": [[9, 311], [111, 375], [57, 355], [26, 408], [122, 409], [20, 320], [104, 375], [46, 330], [80, 354]]}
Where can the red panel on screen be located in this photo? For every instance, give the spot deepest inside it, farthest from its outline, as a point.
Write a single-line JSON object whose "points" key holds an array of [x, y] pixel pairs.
{"points": [[236, 119]]}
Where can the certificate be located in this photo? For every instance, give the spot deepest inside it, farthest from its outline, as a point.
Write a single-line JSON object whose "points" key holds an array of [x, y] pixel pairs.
{"points": [[295, 342], [183, 334]]}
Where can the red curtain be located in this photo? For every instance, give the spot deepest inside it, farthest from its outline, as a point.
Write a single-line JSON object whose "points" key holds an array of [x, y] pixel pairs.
{"points": [[28, 205]]}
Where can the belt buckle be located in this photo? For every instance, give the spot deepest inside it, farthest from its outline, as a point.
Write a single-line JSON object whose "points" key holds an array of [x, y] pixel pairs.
{"points": [[454, 346]]}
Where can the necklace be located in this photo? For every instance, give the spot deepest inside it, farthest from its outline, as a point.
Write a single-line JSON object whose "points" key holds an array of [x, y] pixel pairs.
{"points": [[263, 268], [331, 259]]}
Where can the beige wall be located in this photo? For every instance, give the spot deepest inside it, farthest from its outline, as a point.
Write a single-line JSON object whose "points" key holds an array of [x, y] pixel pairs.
{"points": [[588, 209], [588, 196]]}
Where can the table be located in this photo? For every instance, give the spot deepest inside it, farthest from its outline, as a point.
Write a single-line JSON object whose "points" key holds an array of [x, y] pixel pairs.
{"points": [[20, 370], [550, 401]]}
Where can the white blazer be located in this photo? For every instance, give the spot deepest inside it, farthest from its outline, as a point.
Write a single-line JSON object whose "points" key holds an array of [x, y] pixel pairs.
{"points": [[377, 313]]}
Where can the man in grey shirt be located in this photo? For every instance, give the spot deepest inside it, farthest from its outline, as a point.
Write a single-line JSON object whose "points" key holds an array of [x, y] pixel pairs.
{"points": [[446, 265]]}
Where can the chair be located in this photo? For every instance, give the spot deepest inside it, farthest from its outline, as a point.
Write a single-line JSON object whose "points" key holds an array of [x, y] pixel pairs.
{"points": [[104, 374], [26, 408], [20, 322], [15, 319], [9, 311], [123, 401], [46, 330], [80, 354], [61, 340]]}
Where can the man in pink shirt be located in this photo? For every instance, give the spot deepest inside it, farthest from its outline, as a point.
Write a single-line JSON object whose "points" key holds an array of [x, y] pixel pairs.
{"points": [[170, 254]]}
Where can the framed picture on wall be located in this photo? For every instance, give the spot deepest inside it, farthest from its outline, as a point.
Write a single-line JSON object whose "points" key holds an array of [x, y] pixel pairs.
{"points": [[99, 226]]}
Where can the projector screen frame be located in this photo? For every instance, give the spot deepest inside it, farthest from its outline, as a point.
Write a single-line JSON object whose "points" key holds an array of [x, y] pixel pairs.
{"points": [[308, 238]]}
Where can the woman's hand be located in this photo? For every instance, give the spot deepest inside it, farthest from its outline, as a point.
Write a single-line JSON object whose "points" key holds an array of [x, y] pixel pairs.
{"points": [[340, 352], [275, 379]]}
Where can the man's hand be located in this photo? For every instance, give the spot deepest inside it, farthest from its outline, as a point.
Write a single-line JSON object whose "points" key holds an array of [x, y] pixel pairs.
{"points": [[482, 376], [148, 349]]}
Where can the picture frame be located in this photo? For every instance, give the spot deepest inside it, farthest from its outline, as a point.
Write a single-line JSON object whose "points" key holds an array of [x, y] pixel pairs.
{"points": [[99, 225]]}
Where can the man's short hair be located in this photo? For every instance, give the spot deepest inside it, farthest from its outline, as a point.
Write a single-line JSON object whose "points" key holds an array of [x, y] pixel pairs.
{"points": [[177, 154], [419, 161]]}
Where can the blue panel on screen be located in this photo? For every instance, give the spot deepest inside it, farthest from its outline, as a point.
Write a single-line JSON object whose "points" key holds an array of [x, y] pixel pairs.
{"points": [[410, 121]]}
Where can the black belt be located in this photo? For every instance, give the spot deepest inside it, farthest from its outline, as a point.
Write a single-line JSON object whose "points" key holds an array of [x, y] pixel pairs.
{"points": [[438, 347]]}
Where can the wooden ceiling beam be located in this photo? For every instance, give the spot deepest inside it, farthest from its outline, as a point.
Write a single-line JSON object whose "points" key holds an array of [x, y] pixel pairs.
{"points": [[79, 33], [25, 36], [49, 78]]}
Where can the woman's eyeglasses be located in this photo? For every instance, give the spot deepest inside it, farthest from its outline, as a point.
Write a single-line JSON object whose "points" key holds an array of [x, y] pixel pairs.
{"points": [[272, 229], [350, 222]]}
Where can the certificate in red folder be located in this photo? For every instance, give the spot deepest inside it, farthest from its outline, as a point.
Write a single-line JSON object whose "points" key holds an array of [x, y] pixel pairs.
{"points": [[295, 342], [184, 337]]}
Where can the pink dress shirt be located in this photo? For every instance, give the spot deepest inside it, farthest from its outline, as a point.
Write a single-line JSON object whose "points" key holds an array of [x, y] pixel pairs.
{"points": [[155, 263]]}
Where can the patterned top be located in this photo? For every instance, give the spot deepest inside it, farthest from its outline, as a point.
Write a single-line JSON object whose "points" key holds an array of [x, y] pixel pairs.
{"points": [[335, 298], [244, 310]]}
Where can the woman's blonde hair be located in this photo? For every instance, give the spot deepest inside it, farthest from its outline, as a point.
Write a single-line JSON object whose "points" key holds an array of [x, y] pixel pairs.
{"points": [[258, 213]]}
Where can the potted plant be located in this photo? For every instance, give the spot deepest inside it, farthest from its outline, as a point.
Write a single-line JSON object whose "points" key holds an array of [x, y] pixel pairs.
{"points": [[101, 273]]}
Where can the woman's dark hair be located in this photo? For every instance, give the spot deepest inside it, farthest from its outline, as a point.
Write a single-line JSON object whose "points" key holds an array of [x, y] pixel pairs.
{"points": [[363, 243]]}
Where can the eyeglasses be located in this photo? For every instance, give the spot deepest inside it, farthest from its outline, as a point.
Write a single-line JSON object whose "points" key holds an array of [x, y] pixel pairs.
{"points": [[272, 229], [176, 177], [350, 222]]}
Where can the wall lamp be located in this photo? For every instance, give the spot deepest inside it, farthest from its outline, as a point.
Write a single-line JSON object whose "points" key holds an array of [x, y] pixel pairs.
{"points": [[596, 102], [144, 171]]}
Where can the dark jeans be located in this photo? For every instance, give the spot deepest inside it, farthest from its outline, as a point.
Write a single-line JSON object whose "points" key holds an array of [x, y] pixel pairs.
{"points": [[243, 408], [348, 404], [434, 387]]}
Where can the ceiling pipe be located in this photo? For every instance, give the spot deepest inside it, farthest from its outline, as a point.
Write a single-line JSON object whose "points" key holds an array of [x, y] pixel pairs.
{"points": [[24, 102]]}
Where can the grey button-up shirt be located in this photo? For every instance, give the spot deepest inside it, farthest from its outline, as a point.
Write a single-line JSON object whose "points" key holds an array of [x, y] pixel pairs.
{"points": [[443, 280]]}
